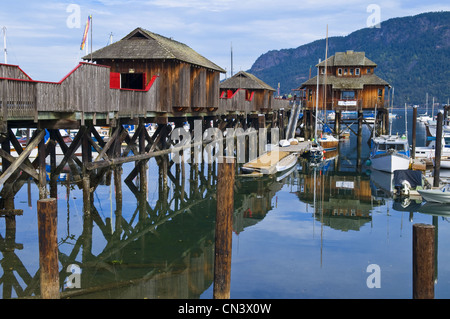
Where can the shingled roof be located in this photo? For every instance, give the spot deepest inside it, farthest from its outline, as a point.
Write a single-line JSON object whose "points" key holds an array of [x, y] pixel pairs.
{"points": [[349, 58], [341, 83], [142, 44], [244, 80]]}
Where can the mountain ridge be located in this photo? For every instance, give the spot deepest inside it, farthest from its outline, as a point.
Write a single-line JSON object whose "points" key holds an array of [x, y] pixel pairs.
{"points": [[412, 54]]}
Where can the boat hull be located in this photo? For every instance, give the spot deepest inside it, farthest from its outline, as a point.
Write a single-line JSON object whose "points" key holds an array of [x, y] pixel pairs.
{"points": [[435, 196], [287, 163], [328, 142], [390, 162]]}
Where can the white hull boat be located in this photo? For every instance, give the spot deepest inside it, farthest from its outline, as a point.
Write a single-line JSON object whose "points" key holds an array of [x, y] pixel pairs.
{"points": [[441, 195], [390, 153], [287, 162], [390, 162]]}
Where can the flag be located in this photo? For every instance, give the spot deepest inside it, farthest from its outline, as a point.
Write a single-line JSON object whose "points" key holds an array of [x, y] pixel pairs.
{"points": [[86, 31]]}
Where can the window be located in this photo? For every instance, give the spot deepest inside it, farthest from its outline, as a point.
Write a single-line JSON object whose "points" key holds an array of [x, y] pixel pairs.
{"points": [[381, 147], [348, 95], [357, 72], [339, 72], [345, 71], [400, 147], [133, 81], [368, 70], [310, 95], [351, 71], [380, 94]]}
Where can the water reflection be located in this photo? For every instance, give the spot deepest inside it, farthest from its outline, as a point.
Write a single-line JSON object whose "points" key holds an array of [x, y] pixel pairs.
{"points": [[151, 235]]}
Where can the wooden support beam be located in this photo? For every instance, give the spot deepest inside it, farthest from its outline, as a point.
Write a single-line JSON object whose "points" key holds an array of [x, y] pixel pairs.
{"points": [[22, 157], [29, 169], [11, 212]]}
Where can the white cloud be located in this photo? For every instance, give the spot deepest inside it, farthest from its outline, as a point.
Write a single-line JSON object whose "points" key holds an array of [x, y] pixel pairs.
{"points": [[208, 26]]}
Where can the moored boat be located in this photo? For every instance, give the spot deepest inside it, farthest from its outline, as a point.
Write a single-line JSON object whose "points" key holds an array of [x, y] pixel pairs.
{"points": [[439, 195], [328, 142], [390, 153]]}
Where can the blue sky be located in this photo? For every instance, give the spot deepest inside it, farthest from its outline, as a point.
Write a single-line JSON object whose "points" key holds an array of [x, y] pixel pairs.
{"points": [[41, 41]]}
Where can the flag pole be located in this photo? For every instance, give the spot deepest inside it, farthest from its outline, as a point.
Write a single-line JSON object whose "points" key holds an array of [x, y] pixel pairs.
{"points": [[92, 39]]}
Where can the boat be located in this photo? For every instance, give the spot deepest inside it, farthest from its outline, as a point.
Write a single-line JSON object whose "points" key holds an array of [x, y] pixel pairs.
{"points": [[436, 195], [270, 163], [431, 129], [435, 209], [390, 153], [287, 162], [315, 153], [445, 163], [328, 142], [429, 151]]}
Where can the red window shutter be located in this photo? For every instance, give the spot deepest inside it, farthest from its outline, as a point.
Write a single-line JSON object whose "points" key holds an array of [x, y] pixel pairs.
{"points": [[115, 80], [144, 78]]}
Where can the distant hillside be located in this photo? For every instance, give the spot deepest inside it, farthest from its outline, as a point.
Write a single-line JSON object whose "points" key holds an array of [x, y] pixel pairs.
{"points": [[412, 53]]}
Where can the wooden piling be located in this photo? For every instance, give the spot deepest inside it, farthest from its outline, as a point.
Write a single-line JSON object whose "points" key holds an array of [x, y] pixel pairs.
{"points": [[42, 170], [423, 261], [224, 228], [438, 150], [48, 248]]}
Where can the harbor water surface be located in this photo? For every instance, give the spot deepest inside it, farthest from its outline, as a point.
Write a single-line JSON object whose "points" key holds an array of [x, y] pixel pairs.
{"points": [[313, 234]]}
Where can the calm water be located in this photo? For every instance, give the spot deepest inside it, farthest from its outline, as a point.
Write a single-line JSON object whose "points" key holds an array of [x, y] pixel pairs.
{"points": [[310, 235]]}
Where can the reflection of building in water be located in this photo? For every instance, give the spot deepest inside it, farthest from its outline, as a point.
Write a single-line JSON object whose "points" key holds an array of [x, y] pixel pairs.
{"points": [[253, 200], [342, 200]]}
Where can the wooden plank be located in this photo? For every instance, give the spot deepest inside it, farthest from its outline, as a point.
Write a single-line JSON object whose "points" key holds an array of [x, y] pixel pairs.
{"points": [[22, 157], [24, 167]]}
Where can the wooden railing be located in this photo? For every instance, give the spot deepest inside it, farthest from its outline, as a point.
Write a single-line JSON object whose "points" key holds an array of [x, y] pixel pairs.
{"points": [[87, 90]]}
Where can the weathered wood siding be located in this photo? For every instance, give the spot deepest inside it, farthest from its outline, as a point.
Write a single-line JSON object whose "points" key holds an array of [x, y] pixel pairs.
{"points": [[87, 90], [12, 72]]}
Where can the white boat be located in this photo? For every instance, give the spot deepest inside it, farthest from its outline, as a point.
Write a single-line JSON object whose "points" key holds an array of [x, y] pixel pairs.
{"points": [[431, 129], [440, 195], [429, 151], [390, 153], [287, 162], [445, 163]]}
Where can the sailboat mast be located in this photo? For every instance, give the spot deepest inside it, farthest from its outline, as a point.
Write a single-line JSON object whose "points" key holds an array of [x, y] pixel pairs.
{"points": [[406, 121], [325, 83], [317, 101], [4, 45], [92, 38], [232, 60]]}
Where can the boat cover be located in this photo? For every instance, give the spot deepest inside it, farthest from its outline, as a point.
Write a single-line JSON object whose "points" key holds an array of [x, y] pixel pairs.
{"points": [[413, 177]]}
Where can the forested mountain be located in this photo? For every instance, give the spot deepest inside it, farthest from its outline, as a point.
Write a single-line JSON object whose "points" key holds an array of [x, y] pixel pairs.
{"points": [[412, 53]]}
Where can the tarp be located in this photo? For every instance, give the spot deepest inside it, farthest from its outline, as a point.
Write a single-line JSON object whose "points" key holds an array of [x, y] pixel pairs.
{"points": [[413, 177]]}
